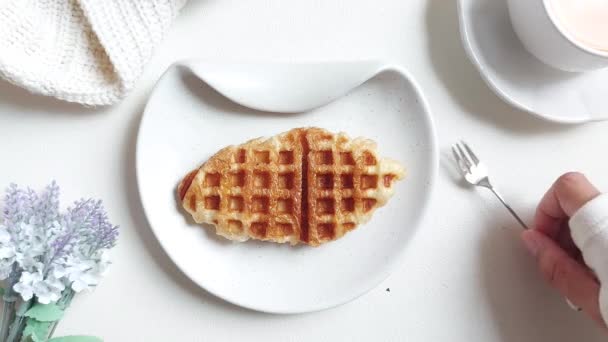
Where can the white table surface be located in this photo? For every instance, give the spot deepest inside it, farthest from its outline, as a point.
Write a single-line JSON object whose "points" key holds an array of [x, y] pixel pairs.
{"points": [[465, 277]]}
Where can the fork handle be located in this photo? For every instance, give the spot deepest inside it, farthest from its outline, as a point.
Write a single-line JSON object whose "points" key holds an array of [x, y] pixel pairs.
{"points": [[495, 192]]}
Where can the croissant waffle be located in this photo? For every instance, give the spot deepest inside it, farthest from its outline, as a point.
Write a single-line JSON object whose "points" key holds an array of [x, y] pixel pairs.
{"points": [[303, 186]]}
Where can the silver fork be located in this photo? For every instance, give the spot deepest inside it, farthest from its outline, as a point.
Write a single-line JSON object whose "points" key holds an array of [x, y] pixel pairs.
{"points": [[475, 172]]}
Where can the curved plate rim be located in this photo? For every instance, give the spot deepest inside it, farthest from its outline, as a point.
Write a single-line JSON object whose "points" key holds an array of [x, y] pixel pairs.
{"points": [[429, 195]]}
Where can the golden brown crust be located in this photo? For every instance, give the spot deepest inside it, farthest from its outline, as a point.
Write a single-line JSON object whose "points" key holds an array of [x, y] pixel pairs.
{"points": [[303, 186]]}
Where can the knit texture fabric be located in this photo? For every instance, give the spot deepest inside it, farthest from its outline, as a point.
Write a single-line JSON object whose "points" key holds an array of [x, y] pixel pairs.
{"points": [[86, 51], [589, 228]]}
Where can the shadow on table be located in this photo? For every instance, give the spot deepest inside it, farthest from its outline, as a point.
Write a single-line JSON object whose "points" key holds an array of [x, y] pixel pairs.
{"points": [[524, 308], [23, 101], [462, 80]]}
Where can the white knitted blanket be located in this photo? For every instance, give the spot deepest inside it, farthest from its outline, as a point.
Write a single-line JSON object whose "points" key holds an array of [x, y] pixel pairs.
{"points": [[86, 51]]}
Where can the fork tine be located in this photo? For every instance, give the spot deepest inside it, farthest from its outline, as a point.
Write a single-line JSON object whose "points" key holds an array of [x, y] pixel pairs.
{"points": [[459, 160], [464, 156], [471, 153]]}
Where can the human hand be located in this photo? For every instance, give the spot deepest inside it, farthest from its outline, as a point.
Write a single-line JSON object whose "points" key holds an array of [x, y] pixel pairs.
{"points": [[559, 260]]}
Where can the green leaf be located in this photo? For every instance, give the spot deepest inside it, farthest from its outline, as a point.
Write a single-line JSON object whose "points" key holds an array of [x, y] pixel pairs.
{"points": [[35, 330], [2, 291], [80, 338], [45, 312]]}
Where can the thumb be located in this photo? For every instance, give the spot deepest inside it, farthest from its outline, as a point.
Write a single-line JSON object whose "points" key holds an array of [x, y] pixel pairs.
{"points": [[566, 275]]}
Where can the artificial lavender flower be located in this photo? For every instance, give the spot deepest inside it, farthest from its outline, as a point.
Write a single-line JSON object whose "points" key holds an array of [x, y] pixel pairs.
{"points": [[7, 253], [86, 222], [18, 206], [48, 251], [85, 275], [47, 289]]}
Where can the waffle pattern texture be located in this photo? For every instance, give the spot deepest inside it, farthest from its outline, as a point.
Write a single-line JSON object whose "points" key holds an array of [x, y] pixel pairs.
{"points": [[307, 185], [86, 51]]}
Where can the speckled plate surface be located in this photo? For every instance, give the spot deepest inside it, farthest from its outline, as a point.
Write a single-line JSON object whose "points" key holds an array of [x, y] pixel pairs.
{"points": [[186, 121]]}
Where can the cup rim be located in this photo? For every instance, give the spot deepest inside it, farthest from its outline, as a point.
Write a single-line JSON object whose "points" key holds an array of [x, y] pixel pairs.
{"points": [[568, 36]]}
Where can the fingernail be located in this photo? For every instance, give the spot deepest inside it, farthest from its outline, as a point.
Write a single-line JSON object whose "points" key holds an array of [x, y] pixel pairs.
{"points": [[531, 243]]}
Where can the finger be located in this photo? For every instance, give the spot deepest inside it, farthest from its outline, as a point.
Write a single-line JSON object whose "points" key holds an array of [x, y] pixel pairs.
{"points": [[564, 240], [563, 273], [570, 192]]}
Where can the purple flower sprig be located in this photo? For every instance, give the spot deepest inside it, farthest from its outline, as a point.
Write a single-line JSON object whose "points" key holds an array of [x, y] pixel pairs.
{"points": [[88, 224], [48, 251]]}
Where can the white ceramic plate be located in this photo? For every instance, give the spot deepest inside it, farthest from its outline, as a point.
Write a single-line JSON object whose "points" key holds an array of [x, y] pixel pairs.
{"points": [[186, 121], [521, 79]]}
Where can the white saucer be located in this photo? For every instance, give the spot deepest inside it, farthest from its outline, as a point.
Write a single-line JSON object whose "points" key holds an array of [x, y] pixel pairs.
{"points": [[521, 79], [186, 121]]}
